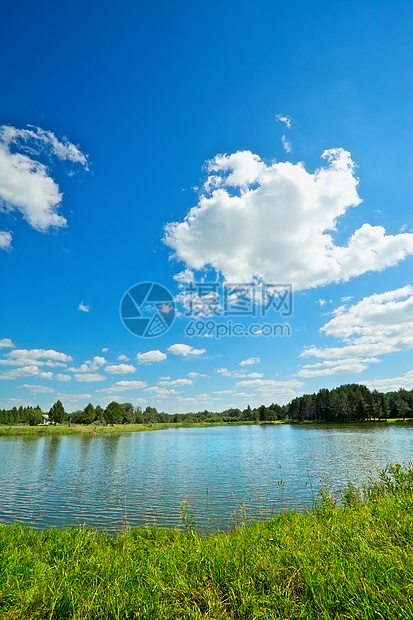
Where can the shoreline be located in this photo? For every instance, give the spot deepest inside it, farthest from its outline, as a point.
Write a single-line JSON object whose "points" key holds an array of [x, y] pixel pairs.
{"points": [[94, 429]]}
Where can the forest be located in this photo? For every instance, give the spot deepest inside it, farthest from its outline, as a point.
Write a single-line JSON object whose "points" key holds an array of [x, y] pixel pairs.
{"points": [[348, 403]]}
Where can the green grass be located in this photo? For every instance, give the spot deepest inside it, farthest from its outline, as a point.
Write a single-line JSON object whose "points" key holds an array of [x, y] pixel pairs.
{"points": [[76, 429], [353, 561]]}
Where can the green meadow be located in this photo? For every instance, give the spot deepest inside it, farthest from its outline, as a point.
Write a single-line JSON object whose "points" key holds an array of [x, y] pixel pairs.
{"points": [[345, 559]]}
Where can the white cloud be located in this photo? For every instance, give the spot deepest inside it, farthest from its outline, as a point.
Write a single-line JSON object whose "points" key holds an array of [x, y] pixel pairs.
{"points": [[25, 182], [6, 343], [99, 360], [119, 386], [5, 240], [283, 118], [197, 375], [161, 392], [196, 399], [249, 361], [175, 382], [150, 357], [378, 324], [286, 144], [276, 223], [83, 307], [391, 384], [336, 367], [26, 371], [90, 365], [37, 389], [244, 168], [35, 357], [89, 377], [121, 358], [224, 371], [269, 389], [105, 350], [120, 369], [62, 377], [184, 277], [239, 373], [185, 350]]}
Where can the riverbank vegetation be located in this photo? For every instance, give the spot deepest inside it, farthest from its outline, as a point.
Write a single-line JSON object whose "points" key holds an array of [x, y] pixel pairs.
{"points": [[347, 403], [339, 561]]}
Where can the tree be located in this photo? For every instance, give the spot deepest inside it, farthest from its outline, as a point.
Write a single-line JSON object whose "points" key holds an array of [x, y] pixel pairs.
{"points": [[89, 414], [128, 413], [34, 416], [150, 415], [100, 414], [57, 413], [113, 413]]}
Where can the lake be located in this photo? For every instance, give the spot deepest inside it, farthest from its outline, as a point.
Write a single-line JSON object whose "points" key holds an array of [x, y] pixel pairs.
{"points": [[106, 481]]}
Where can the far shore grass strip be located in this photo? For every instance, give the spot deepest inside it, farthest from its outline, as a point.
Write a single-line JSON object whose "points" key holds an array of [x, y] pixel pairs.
{"points": [[90, 429]]}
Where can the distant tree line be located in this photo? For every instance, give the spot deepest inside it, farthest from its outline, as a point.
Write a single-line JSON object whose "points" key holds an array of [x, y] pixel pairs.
{"points": [[347, 403]]}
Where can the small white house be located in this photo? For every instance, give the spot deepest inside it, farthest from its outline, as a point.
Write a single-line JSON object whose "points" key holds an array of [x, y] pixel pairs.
{"points": [[45, 420]]}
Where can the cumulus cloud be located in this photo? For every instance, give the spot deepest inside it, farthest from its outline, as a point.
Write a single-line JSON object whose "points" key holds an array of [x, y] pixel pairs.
{"points": [[37, 389], [26, 371], [378, 324], [89, 377], [197, 375], [35, 357], [238, 373], [90, 365], [160, 392], [175, 382], [270, 389], [184, 277], [6, 343], [83, 307], [150, 357], [276, 223], [120, 386], [249, 361], [120, 369], [336, 367], [391, 384], [63, 377], [25, 182], [205, 398], [122, 358], [185, 350]]}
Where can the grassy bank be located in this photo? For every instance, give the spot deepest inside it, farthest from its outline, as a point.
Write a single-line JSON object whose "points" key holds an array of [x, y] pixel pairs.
{"points": [[348, 562], [76, 429]]}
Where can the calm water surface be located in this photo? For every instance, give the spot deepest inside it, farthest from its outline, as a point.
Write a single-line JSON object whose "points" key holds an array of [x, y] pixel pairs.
{"points": [[142, 478]]}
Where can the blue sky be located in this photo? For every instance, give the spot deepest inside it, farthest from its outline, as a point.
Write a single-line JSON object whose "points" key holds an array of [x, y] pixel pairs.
{"points": [[230, 142]]}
